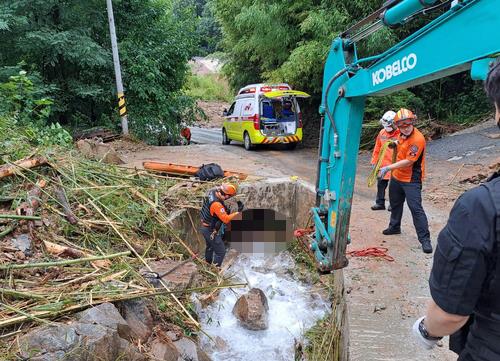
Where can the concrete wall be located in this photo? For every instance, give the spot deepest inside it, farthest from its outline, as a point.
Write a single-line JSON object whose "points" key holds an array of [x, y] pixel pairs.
{"points": [[292, 199]]}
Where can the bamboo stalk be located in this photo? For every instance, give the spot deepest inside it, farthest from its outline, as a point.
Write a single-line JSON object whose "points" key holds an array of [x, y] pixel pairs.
{"points": [[145, 263], [25, 314], [10, 169], [15, 216], [19, 294], [62, 263], [7, 230]]}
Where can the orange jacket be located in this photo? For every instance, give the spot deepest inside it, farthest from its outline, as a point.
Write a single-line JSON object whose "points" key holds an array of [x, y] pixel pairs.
{"points": [[382, 137], [186, 133], [413, 149], [217, 209]]}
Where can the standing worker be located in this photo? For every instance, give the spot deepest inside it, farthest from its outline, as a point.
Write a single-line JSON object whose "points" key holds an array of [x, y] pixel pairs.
{"points": [[213, 212], [465, 276], [407, 175], [389, 133]]}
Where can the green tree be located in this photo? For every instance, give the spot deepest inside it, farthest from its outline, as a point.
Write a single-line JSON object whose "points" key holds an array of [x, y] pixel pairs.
{"points": [[68, 44]]}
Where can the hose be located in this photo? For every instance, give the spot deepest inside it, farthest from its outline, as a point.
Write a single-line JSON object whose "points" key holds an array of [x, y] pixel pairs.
{"points": [[372, 177]]}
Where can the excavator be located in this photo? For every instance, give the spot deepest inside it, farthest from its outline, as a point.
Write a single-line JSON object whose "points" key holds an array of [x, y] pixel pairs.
{"points": [[465, 37]]}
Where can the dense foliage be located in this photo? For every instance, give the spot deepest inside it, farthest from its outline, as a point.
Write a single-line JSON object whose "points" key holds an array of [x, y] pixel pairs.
{"points": [[279, 40], [24, 110], [67, 43]]}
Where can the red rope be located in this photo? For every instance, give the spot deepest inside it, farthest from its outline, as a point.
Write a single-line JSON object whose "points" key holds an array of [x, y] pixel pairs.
{"points": [[379, 252], [301, 232]]}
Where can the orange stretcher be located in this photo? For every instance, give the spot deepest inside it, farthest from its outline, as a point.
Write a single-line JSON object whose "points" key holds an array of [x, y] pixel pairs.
{"points": [[185, 170]]}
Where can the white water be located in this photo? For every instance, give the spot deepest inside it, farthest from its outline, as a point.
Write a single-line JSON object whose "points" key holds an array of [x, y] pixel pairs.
{"points": [[293, 308]]}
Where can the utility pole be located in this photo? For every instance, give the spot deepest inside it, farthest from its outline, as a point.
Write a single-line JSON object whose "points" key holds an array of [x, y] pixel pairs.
{"points": [[118, 73]]}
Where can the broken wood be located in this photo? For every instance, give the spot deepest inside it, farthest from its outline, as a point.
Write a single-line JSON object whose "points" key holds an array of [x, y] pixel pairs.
{"points": [[65, 251], [10, 169], [63, 201]]}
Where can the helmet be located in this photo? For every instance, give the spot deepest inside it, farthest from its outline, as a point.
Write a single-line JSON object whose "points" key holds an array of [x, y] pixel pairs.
{"points": [[387, 119], [404, 117], [228, 188]]}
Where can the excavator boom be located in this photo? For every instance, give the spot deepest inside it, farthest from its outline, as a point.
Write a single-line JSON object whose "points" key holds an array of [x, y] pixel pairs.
{"points": [[465, 37]]}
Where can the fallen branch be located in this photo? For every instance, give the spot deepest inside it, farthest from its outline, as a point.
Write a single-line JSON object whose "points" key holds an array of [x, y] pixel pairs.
{"points": [[10, 169], [63, 201], [62, 263]]}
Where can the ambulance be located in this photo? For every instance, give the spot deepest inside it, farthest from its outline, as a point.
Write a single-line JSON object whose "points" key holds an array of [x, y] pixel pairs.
{"points": [[264, 114]]}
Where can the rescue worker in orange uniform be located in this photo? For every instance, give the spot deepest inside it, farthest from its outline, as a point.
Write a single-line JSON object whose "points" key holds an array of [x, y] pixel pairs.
{"points": [[389, 133], [406, 181], [186, 134], [213, 213]]}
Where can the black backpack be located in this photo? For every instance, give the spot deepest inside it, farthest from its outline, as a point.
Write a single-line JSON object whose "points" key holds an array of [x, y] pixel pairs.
{"points": [[209, 172]]}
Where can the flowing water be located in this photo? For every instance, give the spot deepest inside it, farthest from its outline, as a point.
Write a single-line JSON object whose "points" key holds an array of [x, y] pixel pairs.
{"points": [[293, 308]]}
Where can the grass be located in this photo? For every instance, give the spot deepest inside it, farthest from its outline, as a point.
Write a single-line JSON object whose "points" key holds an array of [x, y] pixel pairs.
{"points": [[209, 87]]}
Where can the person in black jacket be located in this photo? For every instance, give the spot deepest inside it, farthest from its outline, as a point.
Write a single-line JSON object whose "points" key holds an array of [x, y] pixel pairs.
{"points": [[465, 276]]}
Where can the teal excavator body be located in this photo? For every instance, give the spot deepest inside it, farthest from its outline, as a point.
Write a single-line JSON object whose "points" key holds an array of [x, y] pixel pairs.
{"points": [[465, 37]]}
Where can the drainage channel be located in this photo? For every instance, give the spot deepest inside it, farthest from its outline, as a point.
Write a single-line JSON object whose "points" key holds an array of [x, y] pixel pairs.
{"points": [[293, 308]]}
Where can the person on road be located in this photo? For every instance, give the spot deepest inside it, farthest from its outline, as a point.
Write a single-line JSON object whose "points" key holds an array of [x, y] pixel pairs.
{"points": [[186, 134], [389, 133], [465, 276], [213, 213], [406, 181]]}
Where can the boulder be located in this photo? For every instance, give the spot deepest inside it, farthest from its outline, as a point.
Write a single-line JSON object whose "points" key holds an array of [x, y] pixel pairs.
{"points": [[96, 149], [139, 319], [106, 314], [189, 350], [251, 310], [48, 343], [180, 277], [164, 350], [98, 335]]}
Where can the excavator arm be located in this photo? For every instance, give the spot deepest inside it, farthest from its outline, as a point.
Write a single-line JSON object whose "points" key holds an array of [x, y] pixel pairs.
{"points": [[465, 37]]}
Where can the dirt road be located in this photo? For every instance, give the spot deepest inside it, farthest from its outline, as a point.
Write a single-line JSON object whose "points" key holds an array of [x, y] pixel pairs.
{"points": [[384, 297]]}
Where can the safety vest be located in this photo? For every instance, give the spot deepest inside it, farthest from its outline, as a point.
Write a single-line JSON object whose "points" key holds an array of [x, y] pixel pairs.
{"points": [[206, 217]]}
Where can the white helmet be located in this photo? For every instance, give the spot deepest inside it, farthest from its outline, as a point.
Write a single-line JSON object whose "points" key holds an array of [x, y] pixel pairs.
{"points": [[387, 119]]}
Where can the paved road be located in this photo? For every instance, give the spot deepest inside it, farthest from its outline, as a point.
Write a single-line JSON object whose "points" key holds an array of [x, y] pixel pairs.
{"points": [[206, 135]]}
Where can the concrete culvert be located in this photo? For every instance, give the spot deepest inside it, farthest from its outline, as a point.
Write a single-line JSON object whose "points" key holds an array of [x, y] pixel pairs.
{"points": [[274, 208]]}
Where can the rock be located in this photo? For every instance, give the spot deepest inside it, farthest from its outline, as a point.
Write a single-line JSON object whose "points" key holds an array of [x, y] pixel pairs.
{"points": [[22, 242], [230, 258], [379, 308], [97, 336], [139, 319], [220, 344], [177, 280], [106, 315], [48, 343], [251, 310], [95, 149], [189, 351], [161, 350]]}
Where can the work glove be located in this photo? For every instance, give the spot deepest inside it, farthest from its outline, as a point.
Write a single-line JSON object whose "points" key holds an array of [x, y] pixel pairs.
{"points": [[383, 171], [393, 145], [241, 206], [420, 338]]}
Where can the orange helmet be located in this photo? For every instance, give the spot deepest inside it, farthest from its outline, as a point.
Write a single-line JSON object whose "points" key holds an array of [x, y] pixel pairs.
{"points": [[229, 189], [404, 117]]}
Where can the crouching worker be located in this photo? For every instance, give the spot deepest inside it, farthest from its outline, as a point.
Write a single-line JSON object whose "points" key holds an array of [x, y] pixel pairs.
{"points": [[213, 213]]}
